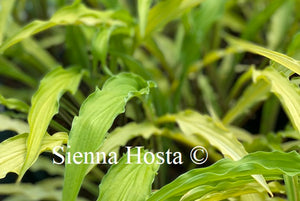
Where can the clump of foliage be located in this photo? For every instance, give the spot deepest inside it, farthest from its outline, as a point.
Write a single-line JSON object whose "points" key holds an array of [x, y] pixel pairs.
{"points": [[96, 76]]}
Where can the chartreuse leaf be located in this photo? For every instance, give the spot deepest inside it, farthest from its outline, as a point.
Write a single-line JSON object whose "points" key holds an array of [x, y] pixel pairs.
{"points": [[245, 187], [14, 104], [158, 16], [96, 116], [135, 177], [281, 21], [121, 135], [292, 187], [287, 92], [253, 94], [223, 190], [270, 164], [13, 150], [47, 189], [44, 105], [143, 8], [216, 134], [69, 15], [191, 122], [100, 48], [282, 59], [13, 124], [5, 8]]}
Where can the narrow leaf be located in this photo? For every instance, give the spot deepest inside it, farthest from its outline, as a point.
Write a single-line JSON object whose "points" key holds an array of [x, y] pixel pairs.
{"points": [[166, 11], [96, 116], [121, 135], [5, 8], [217, 135], [287, 92], [47, 189], [44, 105], [266, 163], [223, 190], [11, 71], [281, 21], [255, 23], [13, 124], [143, 8], [100, 44], [292, 187], [14, 104], [282, 59], [194, 123], [69, 15], [135, 179], [13, 150], [253, 94]]}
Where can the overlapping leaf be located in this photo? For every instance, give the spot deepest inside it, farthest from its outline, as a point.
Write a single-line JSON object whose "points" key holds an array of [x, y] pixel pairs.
{"points": [[135, 179], [44, 106], [287, 92], [280, 58], [266, 163], [13, 150], [69, 15], [217, 135], [121, 135], [95, 118]]}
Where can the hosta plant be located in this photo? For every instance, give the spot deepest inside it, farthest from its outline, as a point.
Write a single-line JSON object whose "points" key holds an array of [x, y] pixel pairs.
{"points": [[105, 100]]}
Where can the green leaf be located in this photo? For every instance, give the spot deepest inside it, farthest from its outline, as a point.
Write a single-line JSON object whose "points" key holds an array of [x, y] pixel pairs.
{"points": [[210, 97], [216, 134], [69, 15], [13, 150], [281, 21], [270, 164], [158, 16], [96, 116], [143, 8], [47, 189], [44, 60], [282, 59], [260, 19], [5, 8], [44, 105], [100, 45], [13, 124], [10, 70], [287, 92], [135, 179], [223, 190], [292, 187], [14, 104], [253, 94], [121, 135], [77, 46]]}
